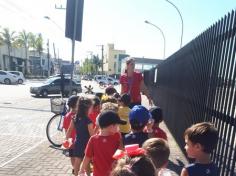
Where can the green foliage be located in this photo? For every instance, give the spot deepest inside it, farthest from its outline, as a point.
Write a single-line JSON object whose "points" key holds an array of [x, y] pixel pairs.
{"points": [[90, 66]]}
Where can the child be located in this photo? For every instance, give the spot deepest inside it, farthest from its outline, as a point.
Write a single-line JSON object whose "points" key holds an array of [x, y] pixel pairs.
{"points": [[156, 113], [95, 110], [138, 118], [72, 102], [136, 166], [201, 139], [84, 129], [123, 112], [158, 150], [102, 146]]}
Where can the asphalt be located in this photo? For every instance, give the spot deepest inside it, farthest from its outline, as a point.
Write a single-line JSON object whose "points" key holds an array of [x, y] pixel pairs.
{"points": [[44, 160]]}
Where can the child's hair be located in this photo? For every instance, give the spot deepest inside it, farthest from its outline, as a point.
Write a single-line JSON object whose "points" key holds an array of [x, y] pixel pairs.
{"points": [[84, 104], [203, 133], [96, 101], [125, 99], [72, 101], [109, 106], [110, 90], [158, 150], [156, 113], [99, 95], [137, 166], [135, 125]]}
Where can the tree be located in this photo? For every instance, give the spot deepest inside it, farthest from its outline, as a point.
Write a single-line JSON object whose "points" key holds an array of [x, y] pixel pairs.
{"points": [[8, 38], [36, 43], [23, 41]]}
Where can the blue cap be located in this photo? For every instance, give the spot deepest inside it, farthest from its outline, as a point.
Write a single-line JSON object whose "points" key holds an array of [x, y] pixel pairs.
{"points": [[139, 114]]}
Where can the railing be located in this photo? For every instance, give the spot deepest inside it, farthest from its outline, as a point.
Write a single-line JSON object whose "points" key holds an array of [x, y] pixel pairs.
{"points": [[198, 83]]}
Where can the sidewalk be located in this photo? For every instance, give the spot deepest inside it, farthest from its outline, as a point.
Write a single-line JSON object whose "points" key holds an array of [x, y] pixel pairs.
{"points": [[43, 160]]}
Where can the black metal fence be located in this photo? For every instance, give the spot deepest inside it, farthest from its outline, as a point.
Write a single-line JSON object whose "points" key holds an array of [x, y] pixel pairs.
{"points": [[198, 83]]}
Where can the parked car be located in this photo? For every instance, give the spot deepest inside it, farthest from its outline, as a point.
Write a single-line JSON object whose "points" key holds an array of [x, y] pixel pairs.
{"points": [[106, 80], [7, 78], [53, 86], [87, 77], [76, 78], [19, 75]]}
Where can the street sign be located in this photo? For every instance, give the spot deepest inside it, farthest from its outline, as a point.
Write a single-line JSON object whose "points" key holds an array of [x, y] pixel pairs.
{"points": [[72, 13]]}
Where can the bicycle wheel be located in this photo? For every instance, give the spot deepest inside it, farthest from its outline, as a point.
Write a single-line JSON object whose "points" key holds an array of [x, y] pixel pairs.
{"points": [[54, 130]]}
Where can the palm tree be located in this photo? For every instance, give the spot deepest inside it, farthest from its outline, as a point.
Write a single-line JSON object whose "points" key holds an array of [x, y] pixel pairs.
{"points": [[8, 38], [39, 44], [36, 43], [23, 41]]}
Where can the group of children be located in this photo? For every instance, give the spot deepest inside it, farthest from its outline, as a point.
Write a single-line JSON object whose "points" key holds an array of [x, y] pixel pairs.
{"points": [[103, 125]]}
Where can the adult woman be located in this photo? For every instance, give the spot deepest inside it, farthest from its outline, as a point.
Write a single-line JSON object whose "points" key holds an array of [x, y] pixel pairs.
{"points": [[132, 83]]}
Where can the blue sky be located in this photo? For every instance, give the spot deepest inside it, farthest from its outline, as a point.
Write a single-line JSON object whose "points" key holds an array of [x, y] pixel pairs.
{"points": [[117, 21]]}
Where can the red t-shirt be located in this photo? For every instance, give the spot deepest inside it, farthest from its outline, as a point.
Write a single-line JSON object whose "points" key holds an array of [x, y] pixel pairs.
{"points": [[66, 124], [101, 149], [93, 116], [159, 133], [132, 86]]}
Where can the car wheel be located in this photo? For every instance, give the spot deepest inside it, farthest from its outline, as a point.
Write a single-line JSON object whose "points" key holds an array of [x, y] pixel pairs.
{"points": [[20, 81], [7, 81], [44, 93], [74, 92]]}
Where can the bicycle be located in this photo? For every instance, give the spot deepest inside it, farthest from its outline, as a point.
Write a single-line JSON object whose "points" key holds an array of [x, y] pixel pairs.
{"points": [[54, 129]]}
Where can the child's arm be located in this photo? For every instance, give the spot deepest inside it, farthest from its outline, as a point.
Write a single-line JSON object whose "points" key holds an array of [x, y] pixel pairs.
{"points": [[90, 129], [69, 131], [184, 172], [84, 164]]}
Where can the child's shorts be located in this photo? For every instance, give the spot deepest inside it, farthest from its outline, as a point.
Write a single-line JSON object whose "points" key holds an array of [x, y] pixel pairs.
{"points": [[68, 153]]}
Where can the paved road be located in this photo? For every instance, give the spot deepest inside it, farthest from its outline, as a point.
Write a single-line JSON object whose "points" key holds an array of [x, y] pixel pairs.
{"points": [[23, 120]]}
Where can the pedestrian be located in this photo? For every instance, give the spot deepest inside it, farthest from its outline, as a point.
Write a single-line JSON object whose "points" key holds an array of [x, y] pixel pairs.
{"points": [[84, 129], [103, 145], [157, 116], [123, 112], [72, 104], [132, 162], [158, 150], [95, 110], [201, 139], [132, 83], [139, 117]]}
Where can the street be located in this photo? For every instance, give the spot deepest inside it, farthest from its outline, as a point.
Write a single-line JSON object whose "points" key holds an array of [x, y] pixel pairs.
{"points": [[24, 119]]}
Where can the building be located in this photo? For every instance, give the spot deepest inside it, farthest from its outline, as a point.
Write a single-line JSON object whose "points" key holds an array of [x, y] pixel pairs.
{"points": [[37, 63], [112, 60], [17, 60], [142, 64]]}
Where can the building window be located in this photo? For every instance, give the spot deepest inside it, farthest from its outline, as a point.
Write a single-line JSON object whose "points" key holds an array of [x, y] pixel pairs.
{"points": [[115, 56]]}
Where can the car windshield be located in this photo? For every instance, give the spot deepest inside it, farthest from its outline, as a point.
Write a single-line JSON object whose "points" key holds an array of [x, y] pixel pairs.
{"points": [[49, 81]]}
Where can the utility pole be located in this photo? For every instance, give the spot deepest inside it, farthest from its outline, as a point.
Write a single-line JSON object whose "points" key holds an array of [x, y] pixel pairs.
{"points": [[102, 47], [48, 58]]}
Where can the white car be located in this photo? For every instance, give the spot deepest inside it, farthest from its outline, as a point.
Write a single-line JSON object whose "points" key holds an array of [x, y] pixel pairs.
{"points": [[7, 78], [19, 75], [107, 80]]}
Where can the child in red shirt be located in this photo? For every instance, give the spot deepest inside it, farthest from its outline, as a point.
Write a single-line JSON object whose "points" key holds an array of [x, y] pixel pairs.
{"points": [[72, 102], [157, 116], [101, 147], [95, 110]]}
